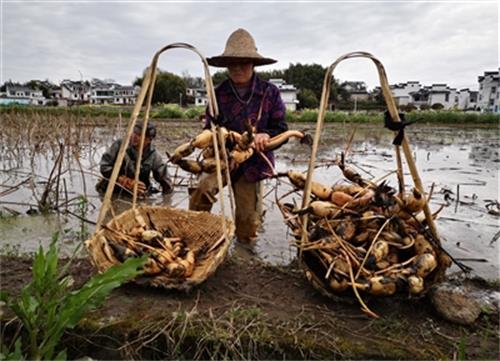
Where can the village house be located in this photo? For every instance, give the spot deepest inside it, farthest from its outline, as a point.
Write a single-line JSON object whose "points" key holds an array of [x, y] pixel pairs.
{"points": [[467, 99], [414, 93], [288, 93], [489, 92], [74, 92], [15, 94], [402, 92], [109, 92], [199, 95], [444, 95], [357, 90]]}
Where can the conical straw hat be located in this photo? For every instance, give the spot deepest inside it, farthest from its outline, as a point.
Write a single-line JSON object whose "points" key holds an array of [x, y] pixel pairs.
{"points": [[240, 48]]}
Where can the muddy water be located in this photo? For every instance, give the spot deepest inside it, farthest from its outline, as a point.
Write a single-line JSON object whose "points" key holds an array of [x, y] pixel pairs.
{"points": [[462, 162]]}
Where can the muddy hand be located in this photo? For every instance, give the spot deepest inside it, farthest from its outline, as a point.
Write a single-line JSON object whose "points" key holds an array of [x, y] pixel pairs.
{"points": [[128, 183], [260, 141]]}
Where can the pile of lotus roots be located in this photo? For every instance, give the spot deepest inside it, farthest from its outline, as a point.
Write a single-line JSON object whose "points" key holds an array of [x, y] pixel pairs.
{"points": [[364, 237], [165, 253]]}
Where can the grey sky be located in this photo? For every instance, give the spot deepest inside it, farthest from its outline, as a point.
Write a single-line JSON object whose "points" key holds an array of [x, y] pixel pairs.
{"points": [[431, 42]]}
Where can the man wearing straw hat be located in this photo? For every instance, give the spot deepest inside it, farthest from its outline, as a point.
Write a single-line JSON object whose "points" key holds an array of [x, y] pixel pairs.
{"points": [[151, 162], [244, 97]]}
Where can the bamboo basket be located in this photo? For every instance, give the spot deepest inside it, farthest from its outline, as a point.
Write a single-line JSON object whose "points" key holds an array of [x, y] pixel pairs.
{"points": [[201, 231], [207, 235], [317, 272]]}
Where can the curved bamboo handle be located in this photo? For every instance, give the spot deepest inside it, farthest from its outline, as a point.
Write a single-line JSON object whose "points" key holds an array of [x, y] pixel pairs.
{"points": [[147, 89], [391, 105]]}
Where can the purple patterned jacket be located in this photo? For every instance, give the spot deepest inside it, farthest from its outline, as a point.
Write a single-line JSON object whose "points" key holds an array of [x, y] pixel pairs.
{"points": [[234, 112]]}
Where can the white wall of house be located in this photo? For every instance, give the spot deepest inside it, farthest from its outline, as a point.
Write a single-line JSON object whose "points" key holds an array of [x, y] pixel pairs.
{"points": [[199, 95], [289, 98], [402, 100], [444, 95], [489, 92], [401, 92], [105, 93], [75, 91], [24, 95], [288, 93], [200, 100], [463, 99]]}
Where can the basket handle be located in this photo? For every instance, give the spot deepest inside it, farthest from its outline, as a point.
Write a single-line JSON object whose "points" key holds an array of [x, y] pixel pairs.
{"points": [[393, 111], [147, 88]]}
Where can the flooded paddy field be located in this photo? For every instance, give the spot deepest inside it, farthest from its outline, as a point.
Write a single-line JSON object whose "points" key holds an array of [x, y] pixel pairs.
{"points": [[43, 155]]}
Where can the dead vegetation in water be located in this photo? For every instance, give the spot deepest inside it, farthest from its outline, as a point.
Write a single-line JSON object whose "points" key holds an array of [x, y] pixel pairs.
{"points": [[45, 154]]}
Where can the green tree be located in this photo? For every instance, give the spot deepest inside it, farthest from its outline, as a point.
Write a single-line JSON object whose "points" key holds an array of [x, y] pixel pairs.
{"points": [[168, 87], [192, 81], [44, 85], [219, 77], [343, 93], [437, 106], [271, 74], [307, 99], [308, 76]]}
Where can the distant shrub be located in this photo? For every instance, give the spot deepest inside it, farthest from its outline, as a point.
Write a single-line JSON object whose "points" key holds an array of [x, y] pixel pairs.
{"points": [[194, 112], [437, 106], [292, 117], [447, 117], [408, 108], [308, 116], [168, 111]]}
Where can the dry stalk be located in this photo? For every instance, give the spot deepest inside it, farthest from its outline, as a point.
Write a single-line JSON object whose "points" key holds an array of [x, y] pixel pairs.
{"points": [[371, 246], [364, 307]]}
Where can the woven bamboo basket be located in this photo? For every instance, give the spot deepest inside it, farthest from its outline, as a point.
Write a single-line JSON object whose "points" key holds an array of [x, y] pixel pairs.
{"points": [[201, 232], [317, 271], [205, 235]]}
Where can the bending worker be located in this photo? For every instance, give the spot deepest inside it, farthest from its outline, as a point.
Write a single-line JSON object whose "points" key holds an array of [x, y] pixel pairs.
{"points": [[151, 162], [244, 97]]}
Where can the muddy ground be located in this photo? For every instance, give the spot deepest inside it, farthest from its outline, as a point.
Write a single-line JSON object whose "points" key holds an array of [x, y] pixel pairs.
{"points": [[249, 309]]}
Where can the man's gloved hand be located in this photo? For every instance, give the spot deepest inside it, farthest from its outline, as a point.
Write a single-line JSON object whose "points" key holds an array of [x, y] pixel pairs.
{"points": [[128, 183]]}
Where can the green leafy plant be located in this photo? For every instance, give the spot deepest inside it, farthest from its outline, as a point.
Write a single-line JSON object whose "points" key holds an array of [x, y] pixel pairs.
{"points": [[461, 350], [47, 306]]}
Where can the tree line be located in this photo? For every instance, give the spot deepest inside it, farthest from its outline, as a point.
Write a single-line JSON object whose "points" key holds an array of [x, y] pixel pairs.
{"points": [[307, 78]]}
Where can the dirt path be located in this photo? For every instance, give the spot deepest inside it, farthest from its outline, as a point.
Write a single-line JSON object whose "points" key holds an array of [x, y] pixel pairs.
{"points": [[251, 310]]}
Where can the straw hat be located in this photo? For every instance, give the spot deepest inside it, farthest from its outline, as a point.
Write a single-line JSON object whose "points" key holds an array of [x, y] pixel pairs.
{"points": [[240, 48]]}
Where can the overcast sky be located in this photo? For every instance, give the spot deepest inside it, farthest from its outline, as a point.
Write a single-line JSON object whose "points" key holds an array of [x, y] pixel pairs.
{"points": [[432, 42]]}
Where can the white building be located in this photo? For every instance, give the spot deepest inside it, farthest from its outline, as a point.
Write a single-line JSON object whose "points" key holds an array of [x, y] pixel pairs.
{"points": [[109, 92], [199, 95], [414, 93], [288, 93], [75, 91], [356, 89], [23, 95], [488, 97], [467, 99], [402, 92], [444, 95]]}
